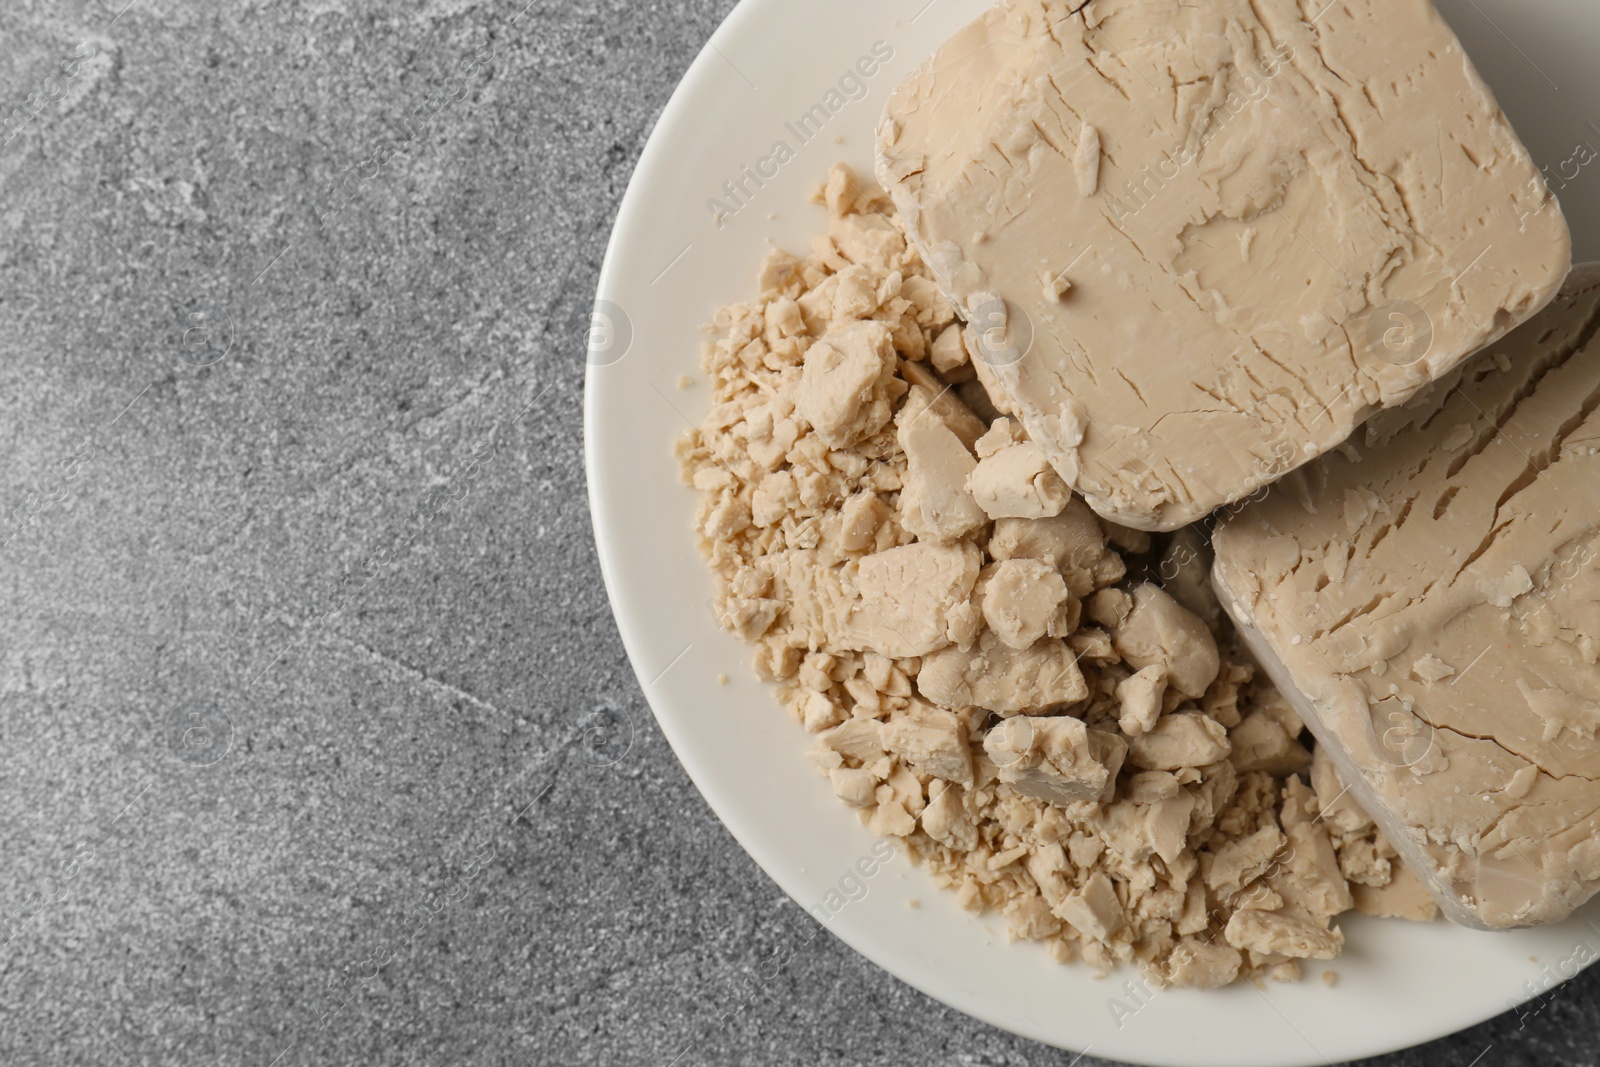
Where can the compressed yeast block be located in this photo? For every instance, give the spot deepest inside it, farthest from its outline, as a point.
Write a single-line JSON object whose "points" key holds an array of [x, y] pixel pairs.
{"points": [[1428, 598], [1196, 245]]}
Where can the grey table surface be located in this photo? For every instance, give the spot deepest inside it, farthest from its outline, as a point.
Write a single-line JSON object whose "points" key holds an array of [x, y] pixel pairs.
{"points": [[303, 613]]}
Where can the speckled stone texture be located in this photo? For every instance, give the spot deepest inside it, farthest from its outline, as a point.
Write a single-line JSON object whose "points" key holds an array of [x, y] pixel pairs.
{"points": [[318, 742]]}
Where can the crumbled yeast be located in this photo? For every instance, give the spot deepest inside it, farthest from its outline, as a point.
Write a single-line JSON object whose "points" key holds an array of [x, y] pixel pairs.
{"points": [[1053, 740]]}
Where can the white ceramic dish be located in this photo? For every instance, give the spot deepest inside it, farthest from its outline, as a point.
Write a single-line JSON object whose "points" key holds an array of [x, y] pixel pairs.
{"points": [[670, 264]]}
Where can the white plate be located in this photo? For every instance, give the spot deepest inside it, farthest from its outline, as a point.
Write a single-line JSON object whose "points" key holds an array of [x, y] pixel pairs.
{"points": [[669, 266]]}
